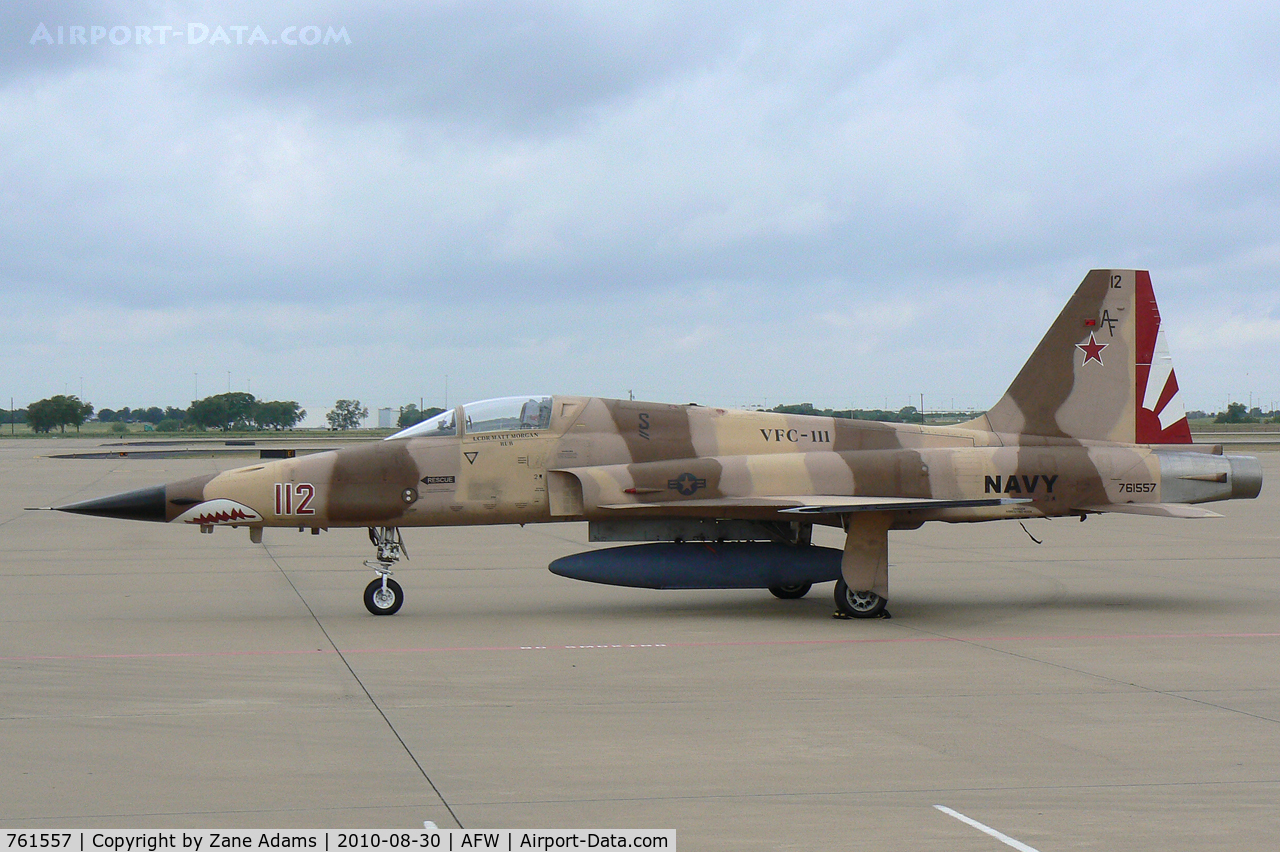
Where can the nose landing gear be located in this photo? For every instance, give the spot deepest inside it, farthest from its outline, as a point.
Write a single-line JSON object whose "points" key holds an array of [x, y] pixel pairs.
{"points": [[384, 596]]}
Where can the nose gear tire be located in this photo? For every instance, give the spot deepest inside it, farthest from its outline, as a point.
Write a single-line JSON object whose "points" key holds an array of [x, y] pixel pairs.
{"points": [[383, 601]]}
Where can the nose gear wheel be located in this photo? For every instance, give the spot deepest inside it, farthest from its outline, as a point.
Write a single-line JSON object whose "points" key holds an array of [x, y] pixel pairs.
{"points": [[384, 596]]}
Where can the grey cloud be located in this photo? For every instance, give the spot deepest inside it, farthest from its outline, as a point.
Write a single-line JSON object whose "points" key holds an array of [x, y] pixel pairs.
{"points": [[500, 66], [20, 23], [515, 155]]}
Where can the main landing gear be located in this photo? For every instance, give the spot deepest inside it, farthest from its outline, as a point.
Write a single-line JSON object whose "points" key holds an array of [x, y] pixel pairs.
{"points": [[384, 596], [790, 592], [855, 604], [863, 590]]}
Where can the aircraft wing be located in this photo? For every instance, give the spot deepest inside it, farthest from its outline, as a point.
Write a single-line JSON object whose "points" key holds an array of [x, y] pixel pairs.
{"points": [[843, 505], [822, 504], [1159, 510]]}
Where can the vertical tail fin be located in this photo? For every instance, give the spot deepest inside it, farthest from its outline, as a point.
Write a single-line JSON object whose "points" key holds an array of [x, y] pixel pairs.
{"points": [[1102, 372]]}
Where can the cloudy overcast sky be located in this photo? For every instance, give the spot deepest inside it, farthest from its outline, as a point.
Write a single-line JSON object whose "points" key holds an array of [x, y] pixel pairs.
{"points": [[728, 203]]}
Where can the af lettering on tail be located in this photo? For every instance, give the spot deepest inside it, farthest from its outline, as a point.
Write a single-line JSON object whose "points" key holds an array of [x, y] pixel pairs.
{"points": [[697, 497]]}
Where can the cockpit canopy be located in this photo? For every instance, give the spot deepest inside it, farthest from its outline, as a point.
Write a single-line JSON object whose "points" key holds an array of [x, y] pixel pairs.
{"points": [[444, 423], [506, 414]]}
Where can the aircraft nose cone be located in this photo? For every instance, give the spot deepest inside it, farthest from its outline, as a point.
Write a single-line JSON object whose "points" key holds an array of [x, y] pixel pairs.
{"points": [[145, 504]]}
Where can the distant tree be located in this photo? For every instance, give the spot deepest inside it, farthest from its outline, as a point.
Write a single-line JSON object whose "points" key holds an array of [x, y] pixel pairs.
{"points": [[240, 406], [807, 408], [278, 414], [152, 415], [877, 414], [61, 411], [907, 414], [169, 425], [171, 413], [106, 415], [209, 413], [1236, 413], [801, 408], [119, 428], [223, 411], [410, 415], [77, 412], [42, 415], [346, 414]]}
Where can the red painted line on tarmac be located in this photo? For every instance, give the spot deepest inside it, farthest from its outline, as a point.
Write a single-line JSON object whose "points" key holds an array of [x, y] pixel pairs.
{"points": [[160, 656], [974, 640]]}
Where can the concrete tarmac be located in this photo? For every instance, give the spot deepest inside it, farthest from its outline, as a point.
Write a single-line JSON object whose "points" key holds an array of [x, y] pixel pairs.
{"points": [[1112, 688]]}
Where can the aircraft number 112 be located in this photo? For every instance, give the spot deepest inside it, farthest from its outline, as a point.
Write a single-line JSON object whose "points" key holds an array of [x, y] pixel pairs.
{"points": [[294, 498]]}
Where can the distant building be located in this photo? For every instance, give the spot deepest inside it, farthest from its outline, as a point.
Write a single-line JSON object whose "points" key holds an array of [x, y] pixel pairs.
{"points": [[384, 418]]}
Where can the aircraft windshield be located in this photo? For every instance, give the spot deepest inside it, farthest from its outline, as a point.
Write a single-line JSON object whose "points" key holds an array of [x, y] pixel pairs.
{"points": [[509, 414], [441, 425]]}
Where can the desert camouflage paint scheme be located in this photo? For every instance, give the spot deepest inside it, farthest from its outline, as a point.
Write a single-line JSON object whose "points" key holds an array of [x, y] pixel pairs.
{"points": [[1092, 423]]}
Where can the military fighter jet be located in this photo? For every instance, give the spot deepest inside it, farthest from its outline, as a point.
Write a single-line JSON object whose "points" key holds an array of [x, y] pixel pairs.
{"points": [[728, 499]]}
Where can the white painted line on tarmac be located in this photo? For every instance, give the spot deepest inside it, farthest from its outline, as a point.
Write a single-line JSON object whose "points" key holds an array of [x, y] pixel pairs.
{"points": [[986, 829], [765, 643]]}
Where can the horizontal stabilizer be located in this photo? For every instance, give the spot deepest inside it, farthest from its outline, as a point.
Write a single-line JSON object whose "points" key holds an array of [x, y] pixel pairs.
{"points": [[1159, 510]]}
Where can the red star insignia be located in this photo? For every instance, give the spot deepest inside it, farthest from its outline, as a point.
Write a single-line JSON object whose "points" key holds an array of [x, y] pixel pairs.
{"points": [[1092, 350]]}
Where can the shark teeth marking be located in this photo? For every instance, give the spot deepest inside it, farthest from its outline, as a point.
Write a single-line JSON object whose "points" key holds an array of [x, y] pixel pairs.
{"points": [[219, 517], [217, 512]]}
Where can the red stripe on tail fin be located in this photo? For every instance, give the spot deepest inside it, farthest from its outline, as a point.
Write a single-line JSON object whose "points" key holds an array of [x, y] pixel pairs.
{"points": [[1159, 416]]}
